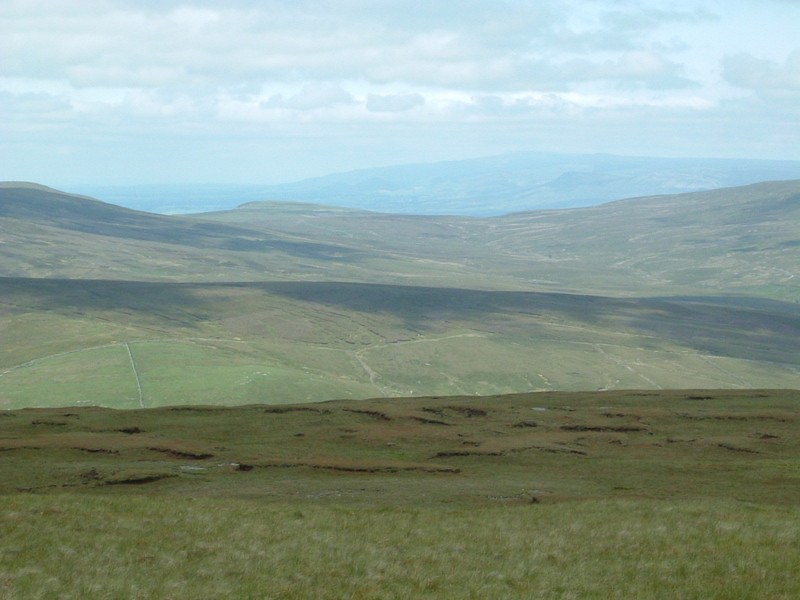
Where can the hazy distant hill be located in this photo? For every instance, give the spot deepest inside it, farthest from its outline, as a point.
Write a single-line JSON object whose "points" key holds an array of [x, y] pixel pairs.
{"points": [[525, 181], [492, 185]]}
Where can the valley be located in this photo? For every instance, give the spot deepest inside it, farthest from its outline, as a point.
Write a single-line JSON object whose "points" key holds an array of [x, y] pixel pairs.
{"points": [[282, 302], [399, 300], [363, 403]]}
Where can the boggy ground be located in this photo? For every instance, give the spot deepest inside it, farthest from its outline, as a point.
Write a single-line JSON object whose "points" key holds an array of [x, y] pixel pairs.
{"points": [[522, 448], [635, 494]]}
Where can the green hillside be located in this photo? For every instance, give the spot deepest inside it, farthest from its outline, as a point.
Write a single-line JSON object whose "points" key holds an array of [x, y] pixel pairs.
{"points": [[737, 240], [284, 303], [140, 344], [52, 234]]}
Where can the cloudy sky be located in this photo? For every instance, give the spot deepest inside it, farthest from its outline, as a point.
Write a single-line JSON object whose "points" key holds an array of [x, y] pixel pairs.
{"points": [[267, 91]]}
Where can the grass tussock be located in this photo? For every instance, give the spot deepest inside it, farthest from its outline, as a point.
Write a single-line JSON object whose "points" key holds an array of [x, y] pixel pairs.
{"points": [[133, 547]]}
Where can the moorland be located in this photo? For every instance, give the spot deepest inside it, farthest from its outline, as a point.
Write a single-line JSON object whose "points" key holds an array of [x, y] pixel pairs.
{"points": [[620, 494], [294, 400], [281, 302]]}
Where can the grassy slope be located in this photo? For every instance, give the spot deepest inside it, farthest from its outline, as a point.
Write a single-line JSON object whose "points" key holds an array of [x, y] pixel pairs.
{"points": [[689, 495], [738, 240], [49, 234], [133, 548], [77, 342], [72, 342]]}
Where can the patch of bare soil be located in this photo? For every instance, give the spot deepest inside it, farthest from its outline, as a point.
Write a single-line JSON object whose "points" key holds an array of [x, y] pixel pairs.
{"points": [[370, 413], [348, 466], [279, 410], [182, 453], [612, 428], [138, 480]]}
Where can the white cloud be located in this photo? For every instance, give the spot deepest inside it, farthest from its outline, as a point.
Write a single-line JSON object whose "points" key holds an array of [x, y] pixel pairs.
{"points": [[311, 97], [34, 108], [490, 74], [470, 44], [393, 102], [747, 71]]}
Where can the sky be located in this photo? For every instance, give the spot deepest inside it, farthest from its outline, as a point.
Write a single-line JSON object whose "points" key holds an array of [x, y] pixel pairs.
{"points": [[270, 91]]}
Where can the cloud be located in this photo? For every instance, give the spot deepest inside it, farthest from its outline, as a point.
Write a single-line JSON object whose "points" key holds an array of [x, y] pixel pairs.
{"points": [[475, 45], [311, 97], [747, 71], [393, 102], [400, 77], [33, 107], [646, 68]]}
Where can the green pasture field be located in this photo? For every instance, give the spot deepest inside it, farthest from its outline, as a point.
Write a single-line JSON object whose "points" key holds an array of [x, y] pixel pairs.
{"points": [[624, 494]]}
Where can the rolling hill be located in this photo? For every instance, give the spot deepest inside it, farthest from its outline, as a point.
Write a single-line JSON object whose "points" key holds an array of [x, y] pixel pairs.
{"points": [[283, 302], [744, 240], [48, 233]]}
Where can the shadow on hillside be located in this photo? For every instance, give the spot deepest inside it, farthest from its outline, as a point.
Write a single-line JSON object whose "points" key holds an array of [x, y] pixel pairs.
{"points": [[85, 215], [742, 327]]}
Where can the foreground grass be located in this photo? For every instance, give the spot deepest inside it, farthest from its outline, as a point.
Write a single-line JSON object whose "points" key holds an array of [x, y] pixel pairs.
{"points": [[166, 547], [630, 495]]}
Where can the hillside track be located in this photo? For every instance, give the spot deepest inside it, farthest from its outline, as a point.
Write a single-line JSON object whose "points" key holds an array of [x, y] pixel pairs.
{"points": [[136, 375]]}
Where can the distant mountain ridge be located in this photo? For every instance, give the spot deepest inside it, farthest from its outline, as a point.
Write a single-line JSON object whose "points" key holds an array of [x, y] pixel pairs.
{"points": [[488, 186], [528, 181]]}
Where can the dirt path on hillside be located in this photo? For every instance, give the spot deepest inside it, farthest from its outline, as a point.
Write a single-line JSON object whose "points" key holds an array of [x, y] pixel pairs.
{"points": [[618, 362], [373, 375]]}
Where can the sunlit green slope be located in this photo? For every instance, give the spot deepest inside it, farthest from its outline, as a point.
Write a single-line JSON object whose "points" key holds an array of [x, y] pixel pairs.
{"points": [[283, 303], [134, 344]]}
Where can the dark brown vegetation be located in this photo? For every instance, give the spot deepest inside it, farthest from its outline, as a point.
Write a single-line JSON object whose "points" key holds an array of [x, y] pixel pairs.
{"points": [[670, 445]]}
